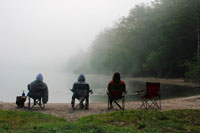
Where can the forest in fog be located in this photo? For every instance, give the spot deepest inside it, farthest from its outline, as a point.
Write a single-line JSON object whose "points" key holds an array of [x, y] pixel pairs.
{"points": [[160, 39]]}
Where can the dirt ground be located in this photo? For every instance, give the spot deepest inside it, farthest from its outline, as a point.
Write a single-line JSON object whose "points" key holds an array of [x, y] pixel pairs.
{"points": [[64, 110]]}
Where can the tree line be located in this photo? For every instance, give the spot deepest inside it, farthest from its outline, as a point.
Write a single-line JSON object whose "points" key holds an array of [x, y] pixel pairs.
{"points": [[160, 39]]}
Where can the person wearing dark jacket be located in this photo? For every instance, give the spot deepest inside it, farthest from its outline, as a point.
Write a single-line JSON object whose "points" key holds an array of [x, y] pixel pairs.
{"points": [[38, 87], [81, 84], [116, 84]]}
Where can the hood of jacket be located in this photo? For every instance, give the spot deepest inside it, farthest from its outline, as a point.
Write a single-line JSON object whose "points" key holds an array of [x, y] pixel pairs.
{"points": [[39, 77], [81, 78]]}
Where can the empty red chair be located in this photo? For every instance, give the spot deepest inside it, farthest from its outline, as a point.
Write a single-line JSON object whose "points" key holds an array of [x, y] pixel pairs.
{"points": [[151, 98]]}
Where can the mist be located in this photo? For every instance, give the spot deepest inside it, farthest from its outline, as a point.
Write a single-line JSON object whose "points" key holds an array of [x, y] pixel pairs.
{"points": [[35, 34], [41, 36]]}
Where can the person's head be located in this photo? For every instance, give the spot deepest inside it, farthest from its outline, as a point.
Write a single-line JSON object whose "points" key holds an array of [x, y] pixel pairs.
{"points": [[116, 77], [39, 77], [81, 77]]}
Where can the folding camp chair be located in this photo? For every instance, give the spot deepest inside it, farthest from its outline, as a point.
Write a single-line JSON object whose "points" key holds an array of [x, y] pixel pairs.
{"points": [[150, 98], [116, 96], [37, 99], [81, 95]]}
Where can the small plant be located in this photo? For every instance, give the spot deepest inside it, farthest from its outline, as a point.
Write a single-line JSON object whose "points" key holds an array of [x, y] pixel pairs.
{"points": [[193, 72]]}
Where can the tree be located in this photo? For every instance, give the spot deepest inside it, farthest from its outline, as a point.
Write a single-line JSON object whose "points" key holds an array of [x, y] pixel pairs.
{"points": [[153, 40]]}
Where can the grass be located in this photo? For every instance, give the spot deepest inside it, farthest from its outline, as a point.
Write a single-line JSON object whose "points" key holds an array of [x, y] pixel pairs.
{"points": [[120, 121]]}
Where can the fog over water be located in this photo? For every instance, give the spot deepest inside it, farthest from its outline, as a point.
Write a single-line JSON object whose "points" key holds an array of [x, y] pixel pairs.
{"points": [[41, 35]]}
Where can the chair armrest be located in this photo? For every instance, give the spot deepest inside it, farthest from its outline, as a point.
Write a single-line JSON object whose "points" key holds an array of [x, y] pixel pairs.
{"points": [[107, 92], [140, 92], [91, 91], [125, 92]]}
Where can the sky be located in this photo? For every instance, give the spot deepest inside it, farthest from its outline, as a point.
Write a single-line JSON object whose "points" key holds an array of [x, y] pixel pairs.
{"points": [[46, 33]]}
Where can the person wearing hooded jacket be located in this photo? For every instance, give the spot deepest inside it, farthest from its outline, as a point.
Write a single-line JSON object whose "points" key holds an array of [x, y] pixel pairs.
{"points": [[81, 84], [38, 84]]}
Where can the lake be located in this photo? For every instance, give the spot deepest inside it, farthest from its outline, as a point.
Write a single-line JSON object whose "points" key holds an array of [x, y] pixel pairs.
{"points": [[59, 83]]}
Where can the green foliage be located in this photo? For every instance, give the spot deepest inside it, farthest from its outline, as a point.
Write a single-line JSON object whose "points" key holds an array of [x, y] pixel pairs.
{"points": [[152, 40], [20, 121], [148, 121], [193, 72], [121, 122]]}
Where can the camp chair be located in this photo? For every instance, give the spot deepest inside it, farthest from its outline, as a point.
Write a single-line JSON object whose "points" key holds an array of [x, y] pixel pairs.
{"points": [[81, 95], [150, 97], [37, 99], [116, 96]]}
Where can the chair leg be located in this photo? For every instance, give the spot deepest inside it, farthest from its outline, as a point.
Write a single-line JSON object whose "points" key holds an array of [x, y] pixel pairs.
{"points": [[147, 105], [154, 103], [108, 103], [151, 103], [40, 103], [87, 103], [123, 103], [160, 103], [73, 103], [43, 106], [144, 104], [34, 102], [29, 103], [81, 105], [117, 103]]}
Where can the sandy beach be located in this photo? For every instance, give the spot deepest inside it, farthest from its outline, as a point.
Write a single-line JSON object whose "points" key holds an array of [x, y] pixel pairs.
{"points": [[64, 110]]}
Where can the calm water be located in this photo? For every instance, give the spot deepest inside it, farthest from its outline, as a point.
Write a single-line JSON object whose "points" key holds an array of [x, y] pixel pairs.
{"points": [[14, 82], [167, 91]]}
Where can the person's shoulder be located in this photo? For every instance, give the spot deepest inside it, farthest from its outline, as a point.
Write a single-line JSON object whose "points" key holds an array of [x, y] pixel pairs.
{"points": [[110, 82], [33, 82], [86, 83], [76, 83], [122, 82], [79, 83], [44, 83]]}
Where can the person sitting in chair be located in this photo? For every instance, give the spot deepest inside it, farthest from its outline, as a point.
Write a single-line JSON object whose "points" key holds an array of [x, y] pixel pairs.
{"points": [[38, 88], [115, 84], [81, 91]]}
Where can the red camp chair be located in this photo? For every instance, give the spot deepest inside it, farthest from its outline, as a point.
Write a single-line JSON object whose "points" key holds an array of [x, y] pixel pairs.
{"points": [[116, 96], [151, 98]]}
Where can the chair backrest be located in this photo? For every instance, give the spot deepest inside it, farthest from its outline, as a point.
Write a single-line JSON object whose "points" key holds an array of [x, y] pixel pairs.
{"points": [[152, 90], [36, 93], [116, 90], [81, 93], [116, 93]]}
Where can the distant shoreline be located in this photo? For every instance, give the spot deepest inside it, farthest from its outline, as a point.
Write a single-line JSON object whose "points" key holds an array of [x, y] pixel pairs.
{"points": [[179, 82]]}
